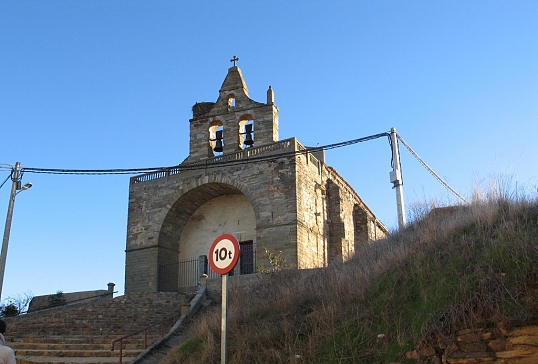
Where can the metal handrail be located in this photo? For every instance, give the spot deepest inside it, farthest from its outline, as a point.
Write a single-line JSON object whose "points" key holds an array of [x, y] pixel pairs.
{"points": [[145, 330]]}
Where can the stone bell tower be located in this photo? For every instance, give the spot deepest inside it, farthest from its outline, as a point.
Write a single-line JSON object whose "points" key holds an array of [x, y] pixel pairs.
{"points": [[234, 122], [239, 178]]}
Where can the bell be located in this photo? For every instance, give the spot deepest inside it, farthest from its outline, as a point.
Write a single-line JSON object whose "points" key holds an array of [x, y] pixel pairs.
{"points": [[218, 146], [248, 139], [218, 142], [248, 135]]}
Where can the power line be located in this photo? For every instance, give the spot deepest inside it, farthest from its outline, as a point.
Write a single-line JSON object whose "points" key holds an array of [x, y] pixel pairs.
{"points": [[202, 165], [216, 162], [93, 171], [3, 183], [430, 170]]}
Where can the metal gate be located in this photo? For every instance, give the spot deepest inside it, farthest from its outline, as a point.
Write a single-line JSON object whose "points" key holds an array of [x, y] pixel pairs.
{"points": [[246, 262], [186, 274]]}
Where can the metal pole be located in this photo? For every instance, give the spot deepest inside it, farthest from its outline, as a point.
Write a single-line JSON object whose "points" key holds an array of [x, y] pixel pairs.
{"points": [[223, 346], [5, 242], [396, 179]]}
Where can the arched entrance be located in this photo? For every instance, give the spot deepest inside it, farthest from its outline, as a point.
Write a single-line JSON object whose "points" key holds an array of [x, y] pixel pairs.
{"points": [[193, 222]]}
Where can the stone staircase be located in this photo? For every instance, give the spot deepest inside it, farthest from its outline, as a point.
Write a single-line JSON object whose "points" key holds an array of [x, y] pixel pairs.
{"points": [[84, 333]]}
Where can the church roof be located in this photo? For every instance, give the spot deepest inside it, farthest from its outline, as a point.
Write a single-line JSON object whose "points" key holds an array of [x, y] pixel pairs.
{"points": [[234, 81]]}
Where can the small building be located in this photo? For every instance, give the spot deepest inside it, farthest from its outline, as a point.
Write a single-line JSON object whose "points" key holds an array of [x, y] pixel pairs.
{"points": [[241, 179]]}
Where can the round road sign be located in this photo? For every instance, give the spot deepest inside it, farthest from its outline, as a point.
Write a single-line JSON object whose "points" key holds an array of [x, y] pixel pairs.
{"points": [[224, 254]]}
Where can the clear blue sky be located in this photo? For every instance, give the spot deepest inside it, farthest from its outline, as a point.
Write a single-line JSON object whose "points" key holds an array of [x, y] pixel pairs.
{"points": [[110, 84]]}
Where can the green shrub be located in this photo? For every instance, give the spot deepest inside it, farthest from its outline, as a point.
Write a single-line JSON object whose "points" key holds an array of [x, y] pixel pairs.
{"points": [[57, 299]]}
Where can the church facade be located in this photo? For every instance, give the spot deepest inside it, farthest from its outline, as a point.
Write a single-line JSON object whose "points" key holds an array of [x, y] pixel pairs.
{"points": [[241, 179]]}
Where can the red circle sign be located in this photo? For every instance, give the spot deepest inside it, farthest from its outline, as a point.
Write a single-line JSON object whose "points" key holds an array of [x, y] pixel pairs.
{"points": [[224, 254]]}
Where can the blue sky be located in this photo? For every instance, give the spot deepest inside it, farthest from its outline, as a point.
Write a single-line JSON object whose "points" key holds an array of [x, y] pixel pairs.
{"points": [[101, 84]]}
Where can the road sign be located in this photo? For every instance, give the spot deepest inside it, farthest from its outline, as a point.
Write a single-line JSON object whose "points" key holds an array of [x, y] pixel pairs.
{"points": [[224, 254]]}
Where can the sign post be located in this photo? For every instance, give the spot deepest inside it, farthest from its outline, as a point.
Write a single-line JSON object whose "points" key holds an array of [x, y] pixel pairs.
{"points": [[223, 257]]}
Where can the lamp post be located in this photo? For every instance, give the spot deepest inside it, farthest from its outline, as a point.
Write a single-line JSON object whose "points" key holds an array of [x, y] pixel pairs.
{"points": [[15, 189]]}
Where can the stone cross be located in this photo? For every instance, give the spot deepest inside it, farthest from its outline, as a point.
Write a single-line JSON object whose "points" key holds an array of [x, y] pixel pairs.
{"points": [[235, 59]]}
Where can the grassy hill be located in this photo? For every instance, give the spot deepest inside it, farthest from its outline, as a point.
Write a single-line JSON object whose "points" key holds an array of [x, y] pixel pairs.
{"points": [[452, 269]]}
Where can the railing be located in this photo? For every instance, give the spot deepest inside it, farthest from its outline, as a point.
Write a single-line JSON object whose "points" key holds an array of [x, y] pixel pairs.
{"points": [[243, 154], [145, 330], [186, 273]]}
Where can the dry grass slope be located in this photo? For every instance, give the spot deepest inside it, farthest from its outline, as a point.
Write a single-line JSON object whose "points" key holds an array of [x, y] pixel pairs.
{"points": [[449, 270]]}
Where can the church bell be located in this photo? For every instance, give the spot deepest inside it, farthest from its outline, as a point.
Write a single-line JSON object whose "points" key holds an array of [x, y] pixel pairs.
{"points": [[218, 141], [248, 135]]}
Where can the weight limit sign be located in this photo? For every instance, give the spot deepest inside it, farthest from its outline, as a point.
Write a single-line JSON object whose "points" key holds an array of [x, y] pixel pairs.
{"points": [[224, 254]]}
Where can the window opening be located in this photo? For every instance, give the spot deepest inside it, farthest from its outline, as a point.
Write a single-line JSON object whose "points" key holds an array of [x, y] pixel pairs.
{"points": [[231, 103], [216, 138], [246, 134], [246, 262]]}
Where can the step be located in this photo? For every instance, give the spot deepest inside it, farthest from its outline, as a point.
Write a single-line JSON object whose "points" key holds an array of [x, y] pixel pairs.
{"points": [[83, 339], [110, 327], [84, 334], [73, 360], [65, 346], [76, 353]]}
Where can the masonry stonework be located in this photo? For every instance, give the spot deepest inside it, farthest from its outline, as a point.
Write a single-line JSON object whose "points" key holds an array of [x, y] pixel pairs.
{"points": [[274, 194]]}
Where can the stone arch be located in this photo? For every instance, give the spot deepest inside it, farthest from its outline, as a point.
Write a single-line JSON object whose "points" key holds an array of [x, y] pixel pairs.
{"points": [[191, 199]]}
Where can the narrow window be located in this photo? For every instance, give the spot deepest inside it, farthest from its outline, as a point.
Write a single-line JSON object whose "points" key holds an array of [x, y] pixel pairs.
{"points": [[231, 103], [246, 262], [216, 138]]}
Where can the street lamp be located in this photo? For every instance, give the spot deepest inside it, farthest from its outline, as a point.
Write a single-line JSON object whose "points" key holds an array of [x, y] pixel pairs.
{"points": [[15, 189]]}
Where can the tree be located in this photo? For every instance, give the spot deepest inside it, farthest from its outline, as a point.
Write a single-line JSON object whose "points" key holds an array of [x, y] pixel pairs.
{"points": [[15, 305]]}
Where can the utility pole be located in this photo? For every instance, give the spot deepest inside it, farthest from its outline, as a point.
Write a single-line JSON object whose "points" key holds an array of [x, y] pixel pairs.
{"points": [[15, 188], [396, 179]]}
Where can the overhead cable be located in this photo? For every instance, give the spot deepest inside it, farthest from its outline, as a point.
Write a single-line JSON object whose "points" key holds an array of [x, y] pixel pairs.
{"points": [[3, 183], [216, 162], [430, 170]]}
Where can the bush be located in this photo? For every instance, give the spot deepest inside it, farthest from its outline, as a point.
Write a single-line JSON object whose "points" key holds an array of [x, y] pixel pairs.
{"points": [[16, 305], [9, 311], [57, 299], [276, 261]]}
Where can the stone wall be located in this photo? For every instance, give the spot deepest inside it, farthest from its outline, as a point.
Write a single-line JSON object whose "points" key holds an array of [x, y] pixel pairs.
{"points": [[503, 344], [332, 218], [298, 206], [230, 213], [159, 211], [60, 299], [311, 213]]}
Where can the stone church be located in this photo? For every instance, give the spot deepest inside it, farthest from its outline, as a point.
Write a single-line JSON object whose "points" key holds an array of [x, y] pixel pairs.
{"points": [[241, 179]]}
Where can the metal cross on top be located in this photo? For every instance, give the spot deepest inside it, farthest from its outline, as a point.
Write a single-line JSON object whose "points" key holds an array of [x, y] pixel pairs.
{"points": [[235, 59]]}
